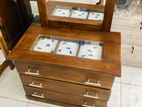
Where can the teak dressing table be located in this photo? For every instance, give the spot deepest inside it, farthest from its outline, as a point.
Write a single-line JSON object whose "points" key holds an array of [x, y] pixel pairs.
{"points": [[69, 66]]}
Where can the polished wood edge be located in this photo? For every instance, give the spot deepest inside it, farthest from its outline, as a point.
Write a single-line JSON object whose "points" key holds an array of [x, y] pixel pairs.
{"points": [[109, 68], [112, 67]]}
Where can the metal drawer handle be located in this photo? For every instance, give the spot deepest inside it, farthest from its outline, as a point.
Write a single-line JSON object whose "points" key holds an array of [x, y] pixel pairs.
{"points": [[37, 86], [90, 96], [85, 105], [93, 84], [31, 73], [38, 96]]}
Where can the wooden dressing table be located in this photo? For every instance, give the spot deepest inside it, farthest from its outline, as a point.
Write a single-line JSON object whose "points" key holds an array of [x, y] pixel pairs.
{"points": [[68, 80]]}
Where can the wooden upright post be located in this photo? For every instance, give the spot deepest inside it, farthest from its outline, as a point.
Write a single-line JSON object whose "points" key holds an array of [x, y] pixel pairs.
{"points": [[42, 11], [108, 15], [5, 52]]}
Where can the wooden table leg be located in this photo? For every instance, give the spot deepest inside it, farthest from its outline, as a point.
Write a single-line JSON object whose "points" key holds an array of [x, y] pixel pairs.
{"points": [[3, 66]]}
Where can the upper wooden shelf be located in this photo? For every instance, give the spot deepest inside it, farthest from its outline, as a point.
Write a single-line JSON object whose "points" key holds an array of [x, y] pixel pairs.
{"points": [[77, 15]]}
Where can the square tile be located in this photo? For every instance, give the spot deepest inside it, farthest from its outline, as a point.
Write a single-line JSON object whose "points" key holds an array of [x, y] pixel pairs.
{"points": [[96, 16], [79, 14], [34, 8], [2, 58], [67, 48], [131, 96], [91, 51], [116, 95], [40, 104], [11, 85], [46, 44], [132, 75], [61, 12], [4, 102]]}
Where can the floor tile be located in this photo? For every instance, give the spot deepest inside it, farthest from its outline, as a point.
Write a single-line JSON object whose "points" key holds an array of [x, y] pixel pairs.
{"points": [[40, 104], [115, 97], [2, 58], [131, 96], [4, 102], [132, 75], [11, 86]]}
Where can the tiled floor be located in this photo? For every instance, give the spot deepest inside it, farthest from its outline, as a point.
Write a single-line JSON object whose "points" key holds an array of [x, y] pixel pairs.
{"points": [[126, 91]]}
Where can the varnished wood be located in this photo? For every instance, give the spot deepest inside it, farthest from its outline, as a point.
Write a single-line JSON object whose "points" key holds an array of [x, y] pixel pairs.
{"points": [[42, 11], [5, 52], [61, 97], [68, 70], [14, 19], [66, 74], [64, 87], [3, 46], [3, 66], [108, 15], [109, 64], [46, 9]]}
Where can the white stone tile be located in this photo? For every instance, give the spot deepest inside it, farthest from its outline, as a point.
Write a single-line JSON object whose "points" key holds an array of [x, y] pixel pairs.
{"points": [[4, 102], [11, 86], [2, 58], [40, 104], [115, 98], [34, 8], [117, 79], [132, 75], [131, 96]]}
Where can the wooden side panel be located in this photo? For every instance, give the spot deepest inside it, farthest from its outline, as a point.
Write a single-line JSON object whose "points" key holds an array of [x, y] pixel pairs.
{"points": [[109, 9], [42, 11]]}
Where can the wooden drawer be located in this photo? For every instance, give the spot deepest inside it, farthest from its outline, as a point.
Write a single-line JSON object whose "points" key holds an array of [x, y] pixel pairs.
{"points": [[65, 98], [132, 55], [68, 88], [137, 25], [132, 51], [66, 74], [132, 39], [132, 61]]}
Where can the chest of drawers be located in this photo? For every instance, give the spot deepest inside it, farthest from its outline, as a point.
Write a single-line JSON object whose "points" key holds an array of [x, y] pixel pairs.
{"points": [[67, 80], [130, 27]]}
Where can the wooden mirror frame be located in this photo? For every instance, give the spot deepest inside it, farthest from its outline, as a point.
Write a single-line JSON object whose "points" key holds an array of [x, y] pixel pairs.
{"points": [[108, 14]]}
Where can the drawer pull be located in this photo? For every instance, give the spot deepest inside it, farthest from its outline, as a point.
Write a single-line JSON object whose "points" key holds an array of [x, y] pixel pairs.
{"points": [[85, 105], [38, 96], [90, 96], [37, 86], [31, 73], [93, 84]]}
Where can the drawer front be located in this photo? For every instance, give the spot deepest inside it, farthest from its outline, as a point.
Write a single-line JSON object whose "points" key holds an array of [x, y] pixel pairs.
{"points": [[132, 51], [132, 39], [65, 74], [65, 98], [132, 62], [132, 55], [137, 25], [68, 88]]}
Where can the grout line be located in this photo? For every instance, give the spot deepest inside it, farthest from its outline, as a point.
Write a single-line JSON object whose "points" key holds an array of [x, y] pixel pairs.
{"points": [[28, 104], [15, 99], [131, 84]]}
